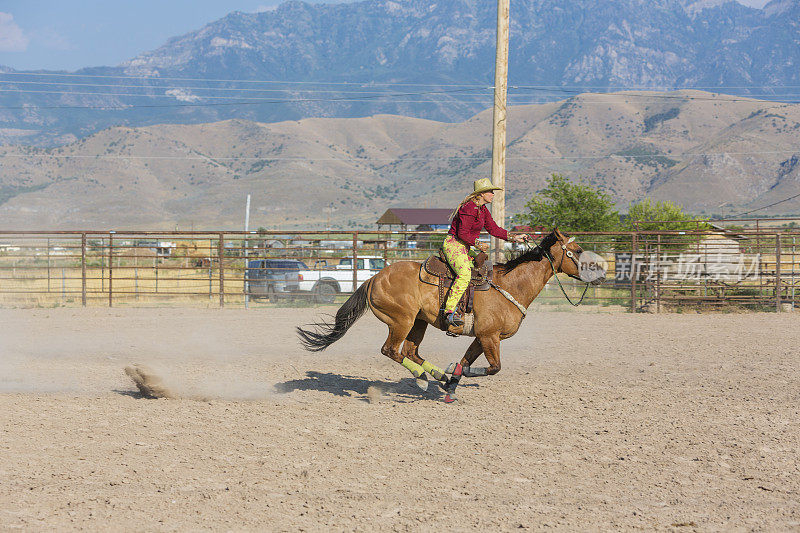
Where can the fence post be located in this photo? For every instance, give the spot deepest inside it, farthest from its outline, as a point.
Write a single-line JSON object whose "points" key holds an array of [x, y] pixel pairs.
{"points": [[220, 254], [355, 260], [634, 266], [48, 265], [658, 275], [634, 248], [110, 268], [83, 269], [102, 267], [778, 272]]}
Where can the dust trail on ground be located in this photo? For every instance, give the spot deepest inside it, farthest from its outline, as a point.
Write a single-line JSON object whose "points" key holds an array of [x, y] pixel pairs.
{"points": [[19, 376], [374, 394], [149, 383], [158, 383]]}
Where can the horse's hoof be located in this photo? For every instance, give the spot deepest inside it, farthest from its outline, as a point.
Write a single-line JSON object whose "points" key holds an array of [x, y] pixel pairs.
{"points": [[450, 368], [449, 398], [422, 382]]}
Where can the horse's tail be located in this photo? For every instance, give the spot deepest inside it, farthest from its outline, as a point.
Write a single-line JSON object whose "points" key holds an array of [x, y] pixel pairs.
{"points": [[326, 334]]}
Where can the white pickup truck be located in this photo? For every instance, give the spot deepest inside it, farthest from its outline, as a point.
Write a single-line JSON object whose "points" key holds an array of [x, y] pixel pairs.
{"points": [[323, 283]]}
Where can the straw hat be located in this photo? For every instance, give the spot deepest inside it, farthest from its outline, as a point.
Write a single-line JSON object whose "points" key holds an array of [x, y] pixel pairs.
{"points": [[485, 184]]}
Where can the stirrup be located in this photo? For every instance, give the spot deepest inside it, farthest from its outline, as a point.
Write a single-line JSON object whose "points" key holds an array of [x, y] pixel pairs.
{"points": [[454, 320]]}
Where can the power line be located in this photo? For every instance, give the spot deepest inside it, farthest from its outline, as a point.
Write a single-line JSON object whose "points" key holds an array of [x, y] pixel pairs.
{"points": [[644, 98], [749, 97], [389, 84], [767, 206], [660, 87], [687, 155], [253, 100], [180, 87], [722, 98], [271, 99], [218, 80]]}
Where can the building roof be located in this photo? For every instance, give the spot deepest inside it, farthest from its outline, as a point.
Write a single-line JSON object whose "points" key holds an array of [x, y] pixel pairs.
{"points": [[415, 217]]}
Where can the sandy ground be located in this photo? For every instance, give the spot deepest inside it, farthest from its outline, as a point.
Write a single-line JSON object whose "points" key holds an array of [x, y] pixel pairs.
{"points": [[597, 422]]}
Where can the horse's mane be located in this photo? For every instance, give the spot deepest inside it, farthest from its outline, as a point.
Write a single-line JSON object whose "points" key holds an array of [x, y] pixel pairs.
{"points": [[537, 253]]}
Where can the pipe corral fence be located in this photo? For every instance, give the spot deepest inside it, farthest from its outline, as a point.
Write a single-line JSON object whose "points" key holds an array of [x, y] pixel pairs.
{"points": [[753, 268]]}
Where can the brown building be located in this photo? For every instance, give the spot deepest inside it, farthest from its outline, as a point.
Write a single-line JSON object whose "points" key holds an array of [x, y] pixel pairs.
{"points": [[416, 219]]}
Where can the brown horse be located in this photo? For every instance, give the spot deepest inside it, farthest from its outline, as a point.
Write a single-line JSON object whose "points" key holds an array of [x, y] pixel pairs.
{"points": [[399, 298]]}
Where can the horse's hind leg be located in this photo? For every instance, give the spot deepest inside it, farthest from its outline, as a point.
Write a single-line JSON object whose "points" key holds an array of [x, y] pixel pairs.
{"points": [[392, 349], [411, 350]]}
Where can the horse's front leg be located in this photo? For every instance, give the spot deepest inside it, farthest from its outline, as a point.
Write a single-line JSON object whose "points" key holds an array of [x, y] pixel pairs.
{"points": [[467, 370], [491, 349], [462, 369]]}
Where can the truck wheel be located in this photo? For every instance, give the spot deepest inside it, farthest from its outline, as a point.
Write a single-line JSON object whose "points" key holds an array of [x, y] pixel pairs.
{"points": [[326, 293]]}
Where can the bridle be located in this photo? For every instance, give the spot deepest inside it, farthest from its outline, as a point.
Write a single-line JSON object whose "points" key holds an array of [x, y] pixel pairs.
{"points": [[571, 255]]}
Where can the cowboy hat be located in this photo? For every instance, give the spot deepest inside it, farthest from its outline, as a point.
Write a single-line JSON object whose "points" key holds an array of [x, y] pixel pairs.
{"points": [[485, 184]]}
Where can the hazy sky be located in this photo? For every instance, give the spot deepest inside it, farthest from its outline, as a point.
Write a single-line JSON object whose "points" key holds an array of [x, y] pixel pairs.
{"points": [[70, 34]]}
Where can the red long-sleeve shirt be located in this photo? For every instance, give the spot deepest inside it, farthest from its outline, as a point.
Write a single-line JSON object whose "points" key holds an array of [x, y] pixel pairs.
{"points": [[471, 219]]}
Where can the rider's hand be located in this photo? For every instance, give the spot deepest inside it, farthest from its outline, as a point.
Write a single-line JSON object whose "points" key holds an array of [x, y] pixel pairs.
{"points": [[483, 247], [520, 238]]}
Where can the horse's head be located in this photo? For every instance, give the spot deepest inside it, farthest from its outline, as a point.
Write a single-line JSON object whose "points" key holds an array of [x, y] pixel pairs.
{"points": [[568, 257]]}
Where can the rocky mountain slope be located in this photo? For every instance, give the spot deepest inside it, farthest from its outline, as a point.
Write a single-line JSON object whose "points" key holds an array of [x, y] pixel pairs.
{"points": [[711, 153], [420, 58]]}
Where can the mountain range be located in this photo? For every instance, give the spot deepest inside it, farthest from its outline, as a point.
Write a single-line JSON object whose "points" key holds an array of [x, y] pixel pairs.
{"points": [[714, 154], [431, 59]]}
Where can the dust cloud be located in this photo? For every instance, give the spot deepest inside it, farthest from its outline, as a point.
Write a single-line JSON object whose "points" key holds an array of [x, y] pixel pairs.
{"points": [[374, 394], [156, 383]]}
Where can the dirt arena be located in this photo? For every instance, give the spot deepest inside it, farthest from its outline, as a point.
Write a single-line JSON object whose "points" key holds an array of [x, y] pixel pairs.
{"points": [[596, 422]]}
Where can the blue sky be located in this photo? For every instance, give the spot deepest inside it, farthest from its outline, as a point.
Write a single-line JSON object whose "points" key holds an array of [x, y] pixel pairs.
{"points": [[70, 34]]}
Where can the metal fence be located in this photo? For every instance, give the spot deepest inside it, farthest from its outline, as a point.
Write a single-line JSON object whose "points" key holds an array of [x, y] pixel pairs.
{"points": [[748, 268]]}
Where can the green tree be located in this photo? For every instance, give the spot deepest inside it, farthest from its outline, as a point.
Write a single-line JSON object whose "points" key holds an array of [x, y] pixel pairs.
{"points": [[571, 207], [661, 216], [649, 215]]}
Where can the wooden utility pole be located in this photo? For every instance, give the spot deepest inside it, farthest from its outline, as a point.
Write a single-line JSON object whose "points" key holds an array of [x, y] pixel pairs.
{"points": [[499, 122]]}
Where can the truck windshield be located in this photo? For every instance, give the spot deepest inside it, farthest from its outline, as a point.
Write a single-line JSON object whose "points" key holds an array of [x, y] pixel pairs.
{"points": [[374, 263]]}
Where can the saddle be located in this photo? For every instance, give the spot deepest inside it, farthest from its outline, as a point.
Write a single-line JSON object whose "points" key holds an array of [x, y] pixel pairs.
{"points": [[439, 269]]}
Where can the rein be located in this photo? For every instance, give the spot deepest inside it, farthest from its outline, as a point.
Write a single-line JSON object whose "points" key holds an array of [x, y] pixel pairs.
{"points": [[546, 253], [555, 275]]}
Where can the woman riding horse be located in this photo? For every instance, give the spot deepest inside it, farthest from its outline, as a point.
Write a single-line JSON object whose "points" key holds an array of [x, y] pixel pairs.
{"points": [[400, 298], [468, 220]]}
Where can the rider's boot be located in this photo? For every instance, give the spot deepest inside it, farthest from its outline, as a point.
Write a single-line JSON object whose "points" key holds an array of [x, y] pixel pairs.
{"points": [[454, 319]]}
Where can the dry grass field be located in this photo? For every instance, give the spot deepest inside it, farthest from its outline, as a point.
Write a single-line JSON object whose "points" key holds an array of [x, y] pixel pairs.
{"points": [[596, 422]]}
